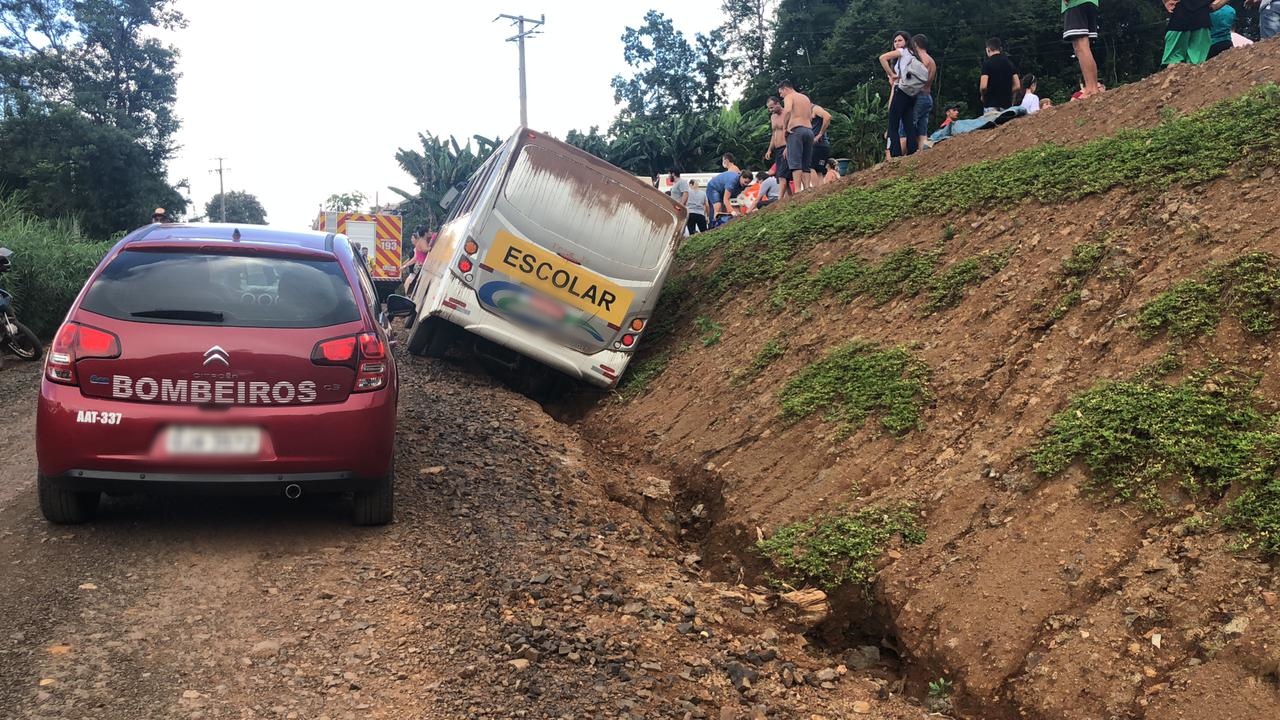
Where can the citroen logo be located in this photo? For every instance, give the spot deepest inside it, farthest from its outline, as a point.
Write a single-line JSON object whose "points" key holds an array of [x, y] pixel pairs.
{"points": [[217, 353]]}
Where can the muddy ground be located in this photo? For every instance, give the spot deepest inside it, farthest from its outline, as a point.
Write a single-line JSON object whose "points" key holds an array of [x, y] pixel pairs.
{"points": [[510, 586]]}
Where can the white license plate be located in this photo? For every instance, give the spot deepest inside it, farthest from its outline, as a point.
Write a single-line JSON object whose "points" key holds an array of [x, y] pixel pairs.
{"points": [[214, 440]]}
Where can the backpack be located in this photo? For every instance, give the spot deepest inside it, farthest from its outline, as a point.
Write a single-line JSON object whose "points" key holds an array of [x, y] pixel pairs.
{"points": [[914, 75]]}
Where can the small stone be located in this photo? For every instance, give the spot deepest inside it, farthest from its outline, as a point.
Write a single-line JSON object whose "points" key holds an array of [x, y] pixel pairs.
{"points": [[46, 682], [862, 707], [88, 586], [1270, 599], [519, 664], [265, 649], [826, 675], [190, 695], [1237, 626], [433, 470]]}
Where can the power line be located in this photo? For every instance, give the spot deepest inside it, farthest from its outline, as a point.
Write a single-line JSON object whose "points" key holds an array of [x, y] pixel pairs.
{"points": [[518, 38]]}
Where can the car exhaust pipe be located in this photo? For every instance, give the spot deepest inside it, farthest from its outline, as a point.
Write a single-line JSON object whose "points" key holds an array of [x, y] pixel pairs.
{"points": [[293, 491]]}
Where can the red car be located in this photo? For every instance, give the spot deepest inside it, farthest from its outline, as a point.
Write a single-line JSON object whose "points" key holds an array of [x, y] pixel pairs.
{"points": [[217, 357]]}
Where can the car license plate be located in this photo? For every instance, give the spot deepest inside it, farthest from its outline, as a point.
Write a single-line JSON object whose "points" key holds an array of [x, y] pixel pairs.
{"points": [[214, 440]]}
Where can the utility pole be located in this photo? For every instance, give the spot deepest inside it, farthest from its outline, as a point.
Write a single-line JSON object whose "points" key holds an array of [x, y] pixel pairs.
{"points": [[518, 38], [222, 195]]}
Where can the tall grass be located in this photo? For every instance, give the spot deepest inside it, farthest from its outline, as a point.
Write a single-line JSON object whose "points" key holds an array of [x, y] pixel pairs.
{"points": [[52, 260]]}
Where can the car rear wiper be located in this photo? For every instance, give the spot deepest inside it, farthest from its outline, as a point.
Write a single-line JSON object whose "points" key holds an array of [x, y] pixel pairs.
{"points": [[192, 315]]}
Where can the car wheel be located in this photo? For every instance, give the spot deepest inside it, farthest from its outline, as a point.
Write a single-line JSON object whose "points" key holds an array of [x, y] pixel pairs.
{"points": [[66, 507], [376, 506]]}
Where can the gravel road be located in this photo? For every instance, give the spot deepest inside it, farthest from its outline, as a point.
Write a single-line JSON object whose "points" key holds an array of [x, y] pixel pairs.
{"points": [[510, 586]]}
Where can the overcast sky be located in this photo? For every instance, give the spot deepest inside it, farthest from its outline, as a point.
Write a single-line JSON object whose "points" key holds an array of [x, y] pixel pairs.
{"points": [[306, 99]]}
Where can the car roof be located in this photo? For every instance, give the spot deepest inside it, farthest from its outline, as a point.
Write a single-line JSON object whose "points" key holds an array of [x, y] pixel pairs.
{"points": [[306, 239]]}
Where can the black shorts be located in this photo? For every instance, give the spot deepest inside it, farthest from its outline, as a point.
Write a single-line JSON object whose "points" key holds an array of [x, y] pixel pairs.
{"points": [[780, 158], [821, 153], [1080, 21]]}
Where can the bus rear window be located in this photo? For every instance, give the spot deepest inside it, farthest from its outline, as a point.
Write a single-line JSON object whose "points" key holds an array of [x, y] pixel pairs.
{"points": [[580, 204], [192, 288]]}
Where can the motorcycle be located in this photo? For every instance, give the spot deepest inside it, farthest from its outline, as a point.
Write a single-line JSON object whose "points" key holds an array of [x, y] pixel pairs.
{"points": [[14, 336]]}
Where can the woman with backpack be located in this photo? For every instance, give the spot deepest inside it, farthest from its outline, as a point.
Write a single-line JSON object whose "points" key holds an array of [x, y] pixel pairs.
{"points": [[908, 77]]}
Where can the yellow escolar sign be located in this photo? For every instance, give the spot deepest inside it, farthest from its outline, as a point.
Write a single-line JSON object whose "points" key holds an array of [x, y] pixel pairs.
{"points": [[559, 278]]}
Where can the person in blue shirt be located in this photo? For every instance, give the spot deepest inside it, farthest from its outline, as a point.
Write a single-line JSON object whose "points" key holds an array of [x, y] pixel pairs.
{"points": [[724, 187], [1221, 20]]}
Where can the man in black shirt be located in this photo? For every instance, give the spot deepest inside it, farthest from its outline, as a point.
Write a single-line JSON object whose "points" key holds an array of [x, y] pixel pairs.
{"points": [[1000, 80]]}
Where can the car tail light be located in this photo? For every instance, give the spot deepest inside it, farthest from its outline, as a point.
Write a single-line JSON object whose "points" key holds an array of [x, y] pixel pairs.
{"points": [[637, 324], [78, 342], [365, 353], [338, 351]]}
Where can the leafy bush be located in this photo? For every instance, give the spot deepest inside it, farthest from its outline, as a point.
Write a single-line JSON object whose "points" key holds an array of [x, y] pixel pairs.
{"points": [[857, 379], [52, 261], [768, 353], [841, 549]]}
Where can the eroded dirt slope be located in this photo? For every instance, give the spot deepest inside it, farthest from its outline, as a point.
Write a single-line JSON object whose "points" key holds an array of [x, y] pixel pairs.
{"points": [[1039, 598]]}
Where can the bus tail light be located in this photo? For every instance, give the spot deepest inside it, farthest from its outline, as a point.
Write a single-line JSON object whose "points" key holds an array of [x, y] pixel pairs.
{"points": [[637, 324], [465, 265], [628, 341], [470, 247]]}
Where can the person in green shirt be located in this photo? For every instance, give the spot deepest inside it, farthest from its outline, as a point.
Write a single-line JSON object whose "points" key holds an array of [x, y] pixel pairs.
{"points": [[1221, 20], [1079, 26]]}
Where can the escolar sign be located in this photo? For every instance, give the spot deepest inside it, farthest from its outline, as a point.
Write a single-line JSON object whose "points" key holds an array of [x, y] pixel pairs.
{"points": [[559, 278]]}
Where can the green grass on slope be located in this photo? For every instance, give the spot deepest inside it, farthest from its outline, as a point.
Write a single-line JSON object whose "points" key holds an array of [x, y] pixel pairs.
{"points": [[1209, 436], [856, 380], [840, 549], [1248, 287], [1189, 149]]}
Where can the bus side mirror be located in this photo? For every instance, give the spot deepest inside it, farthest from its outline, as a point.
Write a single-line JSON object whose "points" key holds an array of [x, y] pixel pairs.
{"points": [[399, 306]]}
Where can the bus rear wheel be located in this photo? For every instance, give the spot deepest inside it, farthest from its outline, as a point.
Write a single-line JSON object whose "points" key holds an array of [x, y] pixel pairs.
{"points": [[431, 337]]}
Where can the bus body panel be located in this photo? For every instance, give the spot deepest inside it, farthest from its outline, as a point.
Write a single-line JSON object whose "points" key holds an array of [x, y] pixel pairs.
{"points": [[569, 251]]}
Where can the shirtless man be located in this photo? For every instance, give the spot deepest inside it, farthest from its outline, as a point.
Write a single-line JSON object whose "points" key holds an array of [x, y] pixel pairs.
{"points": [[797, 116], [821, 146], [777, 149]]}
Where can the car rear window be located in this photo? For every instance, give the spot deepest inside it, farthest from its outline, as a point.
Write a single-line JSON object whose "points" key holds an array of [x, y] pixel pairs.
{"points": [[191, 288]]}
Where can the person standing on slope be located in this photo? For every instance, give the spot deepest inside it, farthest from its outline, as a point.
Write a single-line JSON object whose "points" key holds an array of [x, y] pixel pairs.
{"points": [[1268, 17], [908, 76], [924, 101], [999, 82], [1079, 27], [821, 146], [797, 115], [777, 150], [1187, 38]]}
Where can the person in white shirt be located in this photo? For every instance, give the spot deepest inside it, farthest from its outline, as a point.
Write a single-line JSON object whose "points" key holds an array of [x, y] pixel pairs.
{"points": [[770, 190], [1030, 101]]}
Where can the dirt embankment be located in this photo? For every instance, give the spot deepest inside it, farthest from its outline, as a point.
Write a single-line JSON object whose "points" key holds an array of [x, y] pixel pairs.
{"points": [[1039, 598]]}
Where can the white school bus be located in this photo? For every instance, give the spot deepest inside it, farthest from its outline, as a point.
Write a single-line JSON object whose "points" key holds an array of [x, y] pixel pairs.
{"points": [[550, 254]]}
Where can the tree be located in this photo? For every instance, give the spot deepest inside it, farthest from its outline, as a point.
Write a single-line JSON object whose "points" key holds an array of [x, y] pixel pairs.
{"points": [[440, 165], [86, 101], [66, 165], [591, 141], [241, 207], [345, 202], [747, 33], [664, 65]]}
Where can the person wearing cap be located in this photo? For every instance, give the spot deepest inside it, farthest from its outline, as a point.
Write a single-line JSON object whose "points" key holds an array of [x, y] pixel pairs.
{"points": [[952, 114], [160, 215]]}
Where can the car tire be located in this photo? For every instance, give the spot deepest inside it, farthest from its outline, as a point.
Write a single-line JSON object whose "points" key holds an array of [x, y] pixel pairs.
{"points": [[66, 507], [25, 344], [375, 506]]}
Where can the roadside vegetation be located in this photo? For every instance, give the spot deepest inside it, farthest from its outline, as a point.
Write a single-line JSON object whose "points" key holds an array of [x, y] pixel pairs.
{"points": [[52, 260], [760, 249], [839, 549], [855, 381], [770, 352], [1248, 288], [1207, 438]]}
